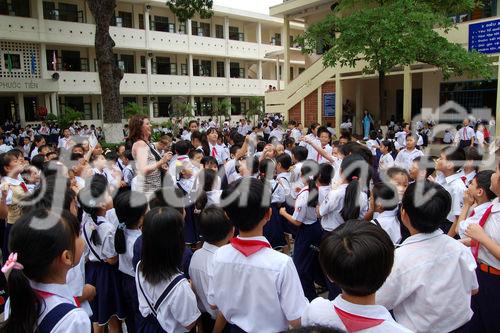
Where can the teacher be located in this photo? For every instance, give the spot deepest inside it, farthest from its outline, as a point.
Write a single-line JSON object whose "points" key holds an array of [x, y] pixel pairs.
{"points": [[367, 124], [147, 159]]}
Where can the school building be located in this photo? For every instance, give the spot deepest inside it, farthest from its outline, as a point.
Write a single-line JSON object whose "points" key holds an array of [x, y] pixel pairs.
{"points": [[48, 59], [320, 94]]}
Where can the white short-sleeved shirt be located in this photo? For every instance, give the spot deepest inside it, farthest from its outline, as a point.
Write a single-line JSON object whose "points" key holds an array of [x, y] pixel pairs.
{"points": [[201, 264], [177, 311], [468, 177], [125, 264], [332, 205], [311, 152], [303, 212], [75, 280], [466, 133], [386, 161], [388, 220], [322, 312], [456, 187], [213, 197], [492, 229], [420, 302], [474, 216], [372, 145], [221, 154], [106, 231], [320, 159], [75, 321], [296, 134], [277, 133], [261, 293], [323, 192], [406, 157], [283, 191]]}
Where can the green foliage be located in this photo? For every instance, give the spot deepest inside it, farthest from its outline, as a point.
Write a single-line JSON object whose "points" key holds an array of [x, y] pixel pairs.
{"points": [[133, 109], [222, 108], [51, 118], [69, 116], [112, 146], [183, 110], [255, 107], [186, 9], [391, 33]]}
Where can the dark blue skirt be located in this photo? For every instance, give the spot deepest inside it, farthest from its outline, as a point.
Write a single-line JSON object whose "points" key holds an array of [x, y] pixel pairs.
{"points": [[150, 325], [108, 301], [130, 302], [287, 226], [305, 256], [273, 230], [190, 231]]}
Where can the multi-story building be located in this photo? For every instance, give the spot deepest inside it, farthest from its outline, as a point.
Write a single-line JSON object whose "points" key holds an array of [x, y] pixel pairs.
{"points": [[48, 60], [320, 94]]}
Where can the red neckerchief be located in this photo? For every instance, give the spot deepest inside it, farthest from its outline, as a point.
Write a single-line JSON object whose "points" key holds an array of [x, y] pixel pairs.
{"points": [[248, 246], [355, 323], [24, 187], [464, 179], [474, 245], [46, 294]]}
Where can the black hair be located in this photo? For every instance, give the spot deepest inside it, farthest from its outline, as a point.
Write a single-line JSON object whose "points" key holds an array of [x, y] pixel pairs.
{"points": [[310, 169], [214, 225], [323, 129], [128, 154], [386, 193], [351, 168], [36, 248], [456, 155], [430, 162], [158, 199], [483, 180], [266, 170], [261, 145], [234, 149], [192, 122], [300, 153], [325, 174], [394, 171], [358, 257], [193, 153], [285, 160], [248, 215], [162, 244], [44, 196], [237, 138], [389, 144], [5, 160], [311, 127], [354, 148], [472, 154], [112, 156], [373, 135], [36, 139], [196, 135], [426, 215], [38, 161], [182, 147], [97, 186], [130, 207]]}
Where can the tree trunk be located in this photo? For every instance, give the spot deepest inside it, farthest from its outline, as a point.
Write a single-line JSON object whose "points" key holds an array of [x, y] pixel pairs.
{"points": [[382, 103], [110, 74]]}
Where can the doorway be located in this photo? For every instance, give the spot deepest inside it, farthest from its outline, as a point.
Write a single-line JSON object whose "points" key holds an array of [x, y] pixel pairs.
{"points": [[8, 108]]}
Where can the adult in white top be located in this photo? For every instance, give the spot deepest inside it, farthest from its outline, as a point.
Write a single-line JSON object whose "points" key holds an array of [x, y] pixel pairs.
{"points": [[322, 312], [466, 134], [261, 293]]}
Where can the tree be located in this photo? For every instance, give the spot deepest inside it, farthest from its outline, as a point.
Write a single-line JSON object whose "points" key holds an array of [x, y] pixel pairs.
{"points": [[391, 33], [255, 108], [110, 74], [182, 110], [68, 117], [222, 108], [133, 109]]}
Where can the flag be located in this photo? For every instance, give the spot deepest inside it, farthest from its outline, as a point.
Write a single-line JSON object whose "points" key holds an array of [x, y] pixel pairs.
{"points": [[54, 60], [9, 63], [33, 64]]}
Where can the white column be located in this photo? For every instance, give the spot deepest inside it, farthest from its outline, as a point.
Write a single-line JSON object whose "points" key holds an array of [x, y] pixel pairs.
{"points": [[359, 107], [94, 103], [226, 28], [53, 104], [189, 27], [259, 70], [228, 68], [259, 32], [191, 101], [285, 39], [320, 105], [20, 105], [302, 112], [146, 26], [41, 21], [338, 102], [407, 89], [278, 78], [43, 61], [150, 107], [214, 67], [190, 65], [47, 101], [212, 28]]}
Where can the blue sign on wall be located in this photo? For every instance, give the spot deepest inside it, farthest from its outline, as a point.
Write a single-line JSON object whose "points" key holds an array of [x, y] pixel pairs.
{"points": [[329, 105], [484, 37]]}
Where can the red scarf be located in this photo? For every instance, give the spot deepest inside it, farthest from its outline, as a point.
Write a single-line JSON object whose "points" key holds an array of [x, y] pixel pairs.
{"points": [[355, 323], [474, 245], [46, 294], [248, 246]]}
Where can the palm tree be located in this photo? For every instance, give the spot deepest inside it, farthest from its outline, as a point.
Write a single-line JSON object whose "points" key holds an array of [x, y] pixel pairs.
{"points": [[133, 109], [222, 108], [255, 108]]}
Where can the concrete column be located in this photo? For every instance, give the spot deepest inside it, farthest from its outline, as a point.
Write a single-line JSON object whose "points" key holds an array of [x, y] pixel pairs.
{"points": [[259, 33], [227, 70], [94, 102], [278, 78], [259, 70], [146, 26], [189, 28], [42, 65], [20, 105], [41, 21], [53, 104], [302, 112], [150, 107], [46, 101], [190, 65], [285, 40], [356, 123], [214, 67], [212, 28], [407, 89], [191, 101], [338, 102], [320, 105]]}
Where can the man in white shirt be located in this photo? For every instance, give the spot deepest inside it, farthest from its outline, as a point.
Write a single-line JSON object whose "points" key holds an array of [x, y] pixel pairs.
{"points": [[421, 303]]}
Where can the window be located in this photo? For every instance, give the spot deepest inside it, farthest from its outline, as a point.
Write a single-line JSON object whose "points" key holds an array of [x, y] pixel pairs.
{"points": [[164, 106], [276, 40], [234, 34], [30, 106], [196, 67], [17, 8], [126, 100], [74, 102], [160, 24], [291, 73], [206, 68], [141, 21], [182, 28], [68, 12], [143, 65], [204, 29], [194, 28], [71, 61], [220, 69], [128, 63], [237, 106], [4, 7], [126, 19], [12, 61], [51, 66], [203, 106], [163, 66], [235, 71], [49, 12], [301, 69], [184, 70], [219, 31]]}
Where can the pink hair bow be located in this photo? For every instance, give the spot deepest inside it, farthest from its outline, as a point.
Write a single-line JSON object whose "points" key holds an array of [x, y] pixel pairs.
{"points": [[11, 264]]}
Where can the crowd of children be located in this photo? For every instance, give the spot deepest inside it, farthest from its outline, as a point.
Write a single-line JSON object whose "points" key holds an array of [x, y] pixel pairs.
{"points": [[239, 231]]}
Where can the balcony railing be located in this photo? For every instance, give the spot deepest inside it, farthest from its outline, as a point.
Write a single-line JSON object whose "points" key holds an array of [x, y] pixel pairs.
{"points": [[240, 36], [61, 15], [68, 66]]}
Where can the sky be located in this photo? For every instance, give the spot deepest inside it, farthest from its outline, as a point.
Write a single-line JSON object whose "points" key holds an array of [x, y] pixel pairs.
{"points": [[258, 6]]}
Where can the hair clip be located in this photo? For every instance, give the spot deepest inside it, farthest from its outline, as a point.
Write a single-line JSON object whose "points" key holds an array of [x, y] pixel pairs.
{"points": [[354, 178]]}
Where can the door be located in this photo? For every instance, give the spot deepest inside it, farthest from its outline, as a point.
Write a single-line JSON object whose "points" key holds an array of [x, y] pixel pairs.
{"points": [[71, 61], [163, 65], [416, 103], [7, 108]]}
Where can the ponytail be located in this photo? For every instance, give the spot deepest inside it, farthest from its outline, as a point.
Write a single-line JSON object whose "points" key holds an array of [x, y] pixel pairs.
{"points": [[25, 305], [130, 207], [351, 208], [94, 236], [120, 243], [312, 198], [310, 169]]}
